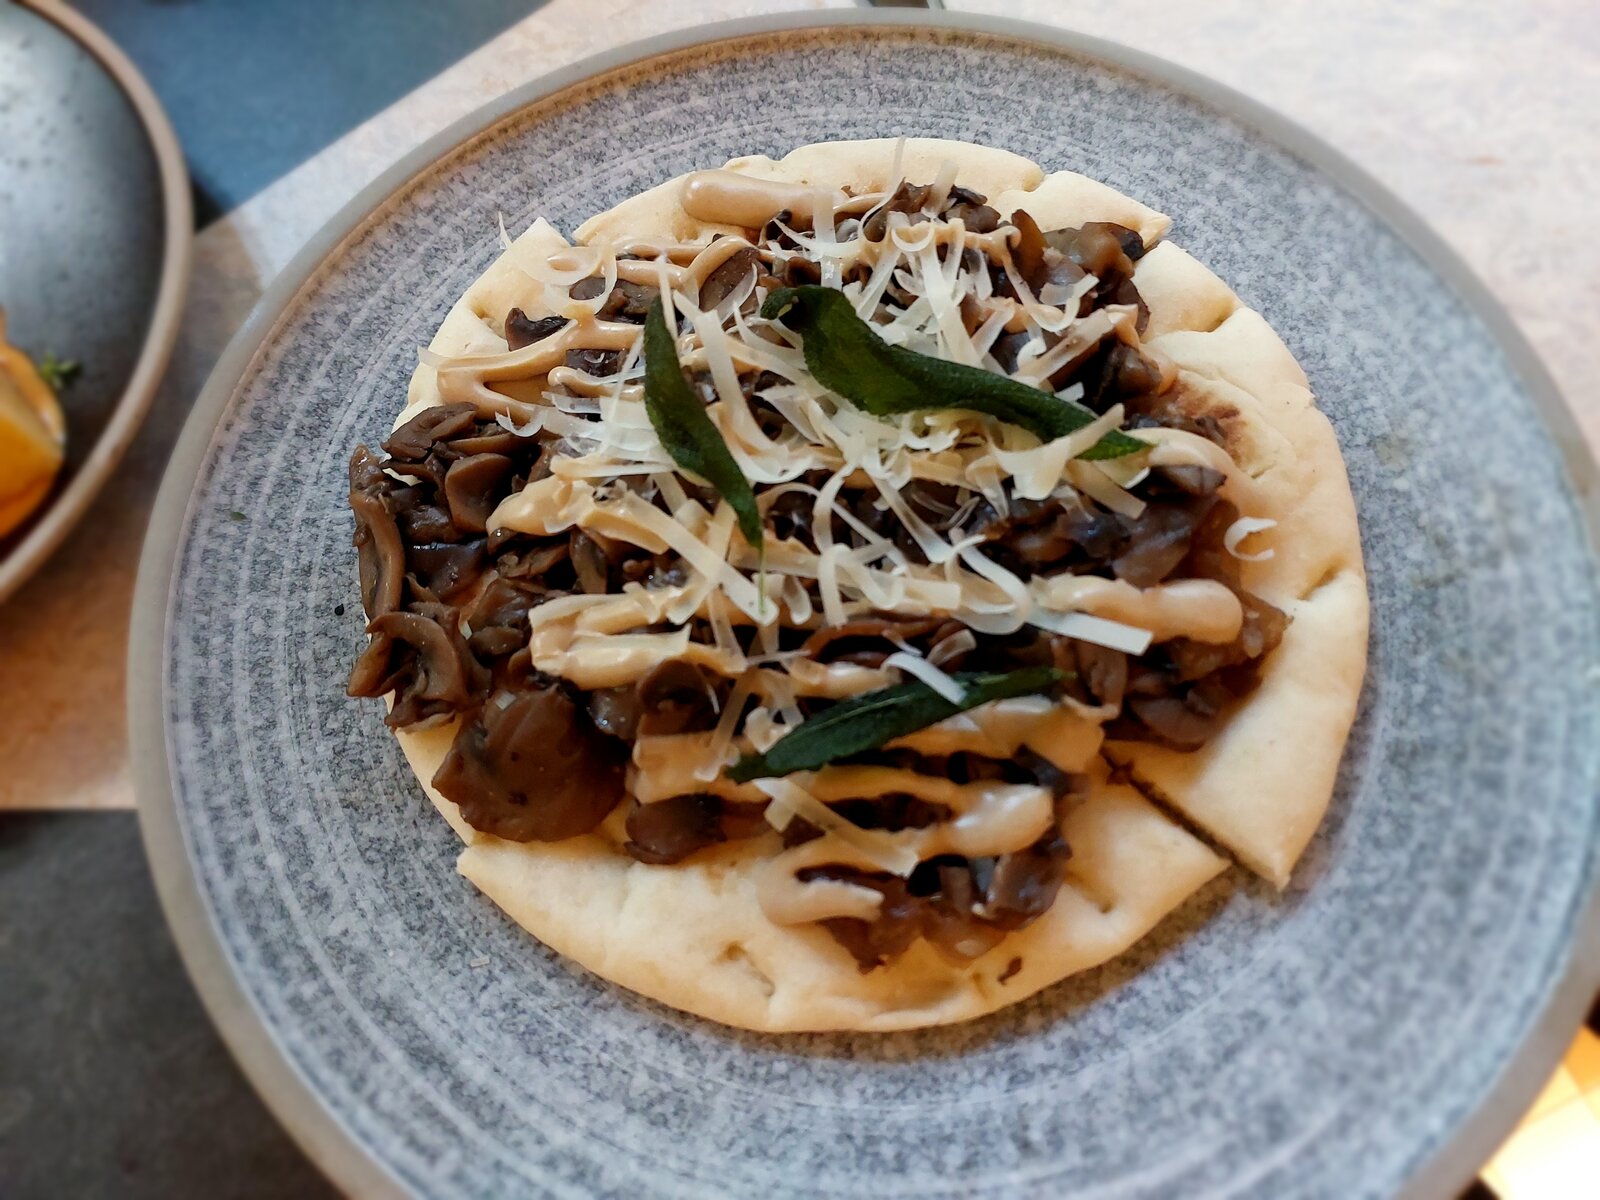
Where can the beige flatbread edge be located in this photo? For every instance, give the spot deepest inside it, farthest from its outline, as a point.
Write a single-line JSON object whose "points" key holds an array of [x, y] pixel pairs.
{"points": [[1262, 786], [692, 935]]}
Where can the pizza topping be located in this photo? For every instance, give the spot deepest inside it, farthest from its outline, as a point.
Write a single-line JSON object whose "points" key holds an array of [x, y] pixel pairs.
{"points": [[1243, 528], [675, 697], [522, 330], [532, 769], [847, 552], [379, 550], [963, 906], [673, 829], [680, 421], [846, 356], [868, 721]]}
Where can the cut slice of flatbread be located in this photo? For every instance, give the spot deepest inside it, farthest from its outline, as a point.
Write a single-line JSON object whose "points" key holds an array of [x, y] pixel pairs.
{"points": [[693, 935], [1262, 785]]}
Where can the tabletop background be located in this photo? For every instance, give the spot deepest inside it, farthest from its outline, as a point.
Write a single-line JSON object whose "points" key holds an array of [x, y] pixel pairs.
{"points": [[1479, 115]]}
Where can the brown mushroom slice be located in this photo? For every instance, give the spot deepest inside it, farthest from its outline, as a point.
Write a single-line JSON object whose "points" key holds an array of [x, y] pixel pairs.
{"points": [[1158, 540], [949, 922], [528, 561], [1062, 272], [492, 438], [447, 568], [422, 523], [373, 674], [1041, 545], [380, 554], [947, 648], [1039, 535], [444, 672], [615, 711], [501, 603], [1193, 479], [626, 301], [531, 767], [1132, 244], [1069, 371], [668, 831], [473, 487], [723, 281], [414, 440], [1181, 723], [1024, 883], [936, 502], [1263, 627], [590, 563], [598, 363], [1027, 252], [522, 330], [497, 616], [629, 302], [1117, 373], [1102, 248], [1208, 555], [675, 697], [1099, 536], [874, 634], [899, 921], [496, 642], [1099, 673], [1124, 291], [801, 272], [908, 198], [971, 209], [1007, 350]]}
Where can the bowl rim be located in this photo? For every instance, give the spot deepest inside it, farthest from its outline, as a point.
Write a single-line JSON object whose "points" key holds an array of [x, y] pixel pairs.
{"points": [[66, 508], [1445, 1169]]}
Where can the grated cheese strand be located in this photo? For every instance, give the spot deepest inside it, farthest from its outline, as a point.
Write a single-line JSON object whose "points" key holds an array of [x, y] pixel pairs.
{"points": [[790, 800], [922, 669]]}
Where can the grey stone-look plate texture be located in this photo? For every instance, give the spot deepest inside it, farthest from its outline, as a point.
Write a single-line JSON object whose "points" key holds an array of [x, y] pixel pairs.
{"points": [[1341, 1040]]}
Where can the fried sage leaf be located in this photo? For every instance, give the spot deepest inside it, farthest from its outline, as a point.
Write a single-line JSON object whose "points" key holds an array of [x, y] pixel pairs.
{"points": [[848, 357], [870, 720], [687, 433]]}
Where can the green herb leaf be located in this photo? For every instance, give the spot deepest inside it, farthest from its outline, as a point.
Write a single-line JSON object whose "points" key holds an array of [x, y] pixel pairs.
{"points": [[57, 372], [848, 357], [868, 721], [688, 434]]}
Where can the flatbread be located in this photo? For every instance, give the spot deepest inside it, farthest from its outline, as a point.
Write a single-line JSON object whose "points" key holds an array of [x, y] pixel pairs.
{"points": [[692, 935]]}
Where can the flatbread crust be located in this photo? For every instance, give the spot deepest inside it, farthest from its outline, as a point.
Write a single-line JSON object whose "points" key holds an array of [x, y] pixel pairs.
{"points": [[693, 936]]}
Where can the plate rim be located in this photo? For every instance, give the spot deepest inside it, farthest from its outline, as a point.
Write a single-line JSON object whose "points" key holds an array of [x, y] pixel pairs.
{"points": [[303, 1111], [64, 509]]}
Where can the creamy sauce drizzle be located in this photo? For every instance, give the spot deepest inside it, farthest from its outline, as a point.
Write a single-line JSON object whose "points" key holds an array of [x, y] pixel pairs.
{"points": [[1202, 609], [988, 819], [731, 198]]}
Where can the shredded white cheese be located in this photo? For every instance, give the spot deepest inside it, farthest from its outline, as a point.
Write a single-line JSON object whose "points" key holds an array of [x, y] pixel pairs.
{"points": [[921, 668], [868, 545], [1243, 528], [790, 800]]}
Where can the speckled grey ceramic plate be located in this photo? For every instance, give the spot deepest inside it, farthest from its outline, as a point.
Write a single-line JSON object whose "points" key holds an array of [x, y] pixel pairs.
{"points": [[1374, 1029], [95, 232]]}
